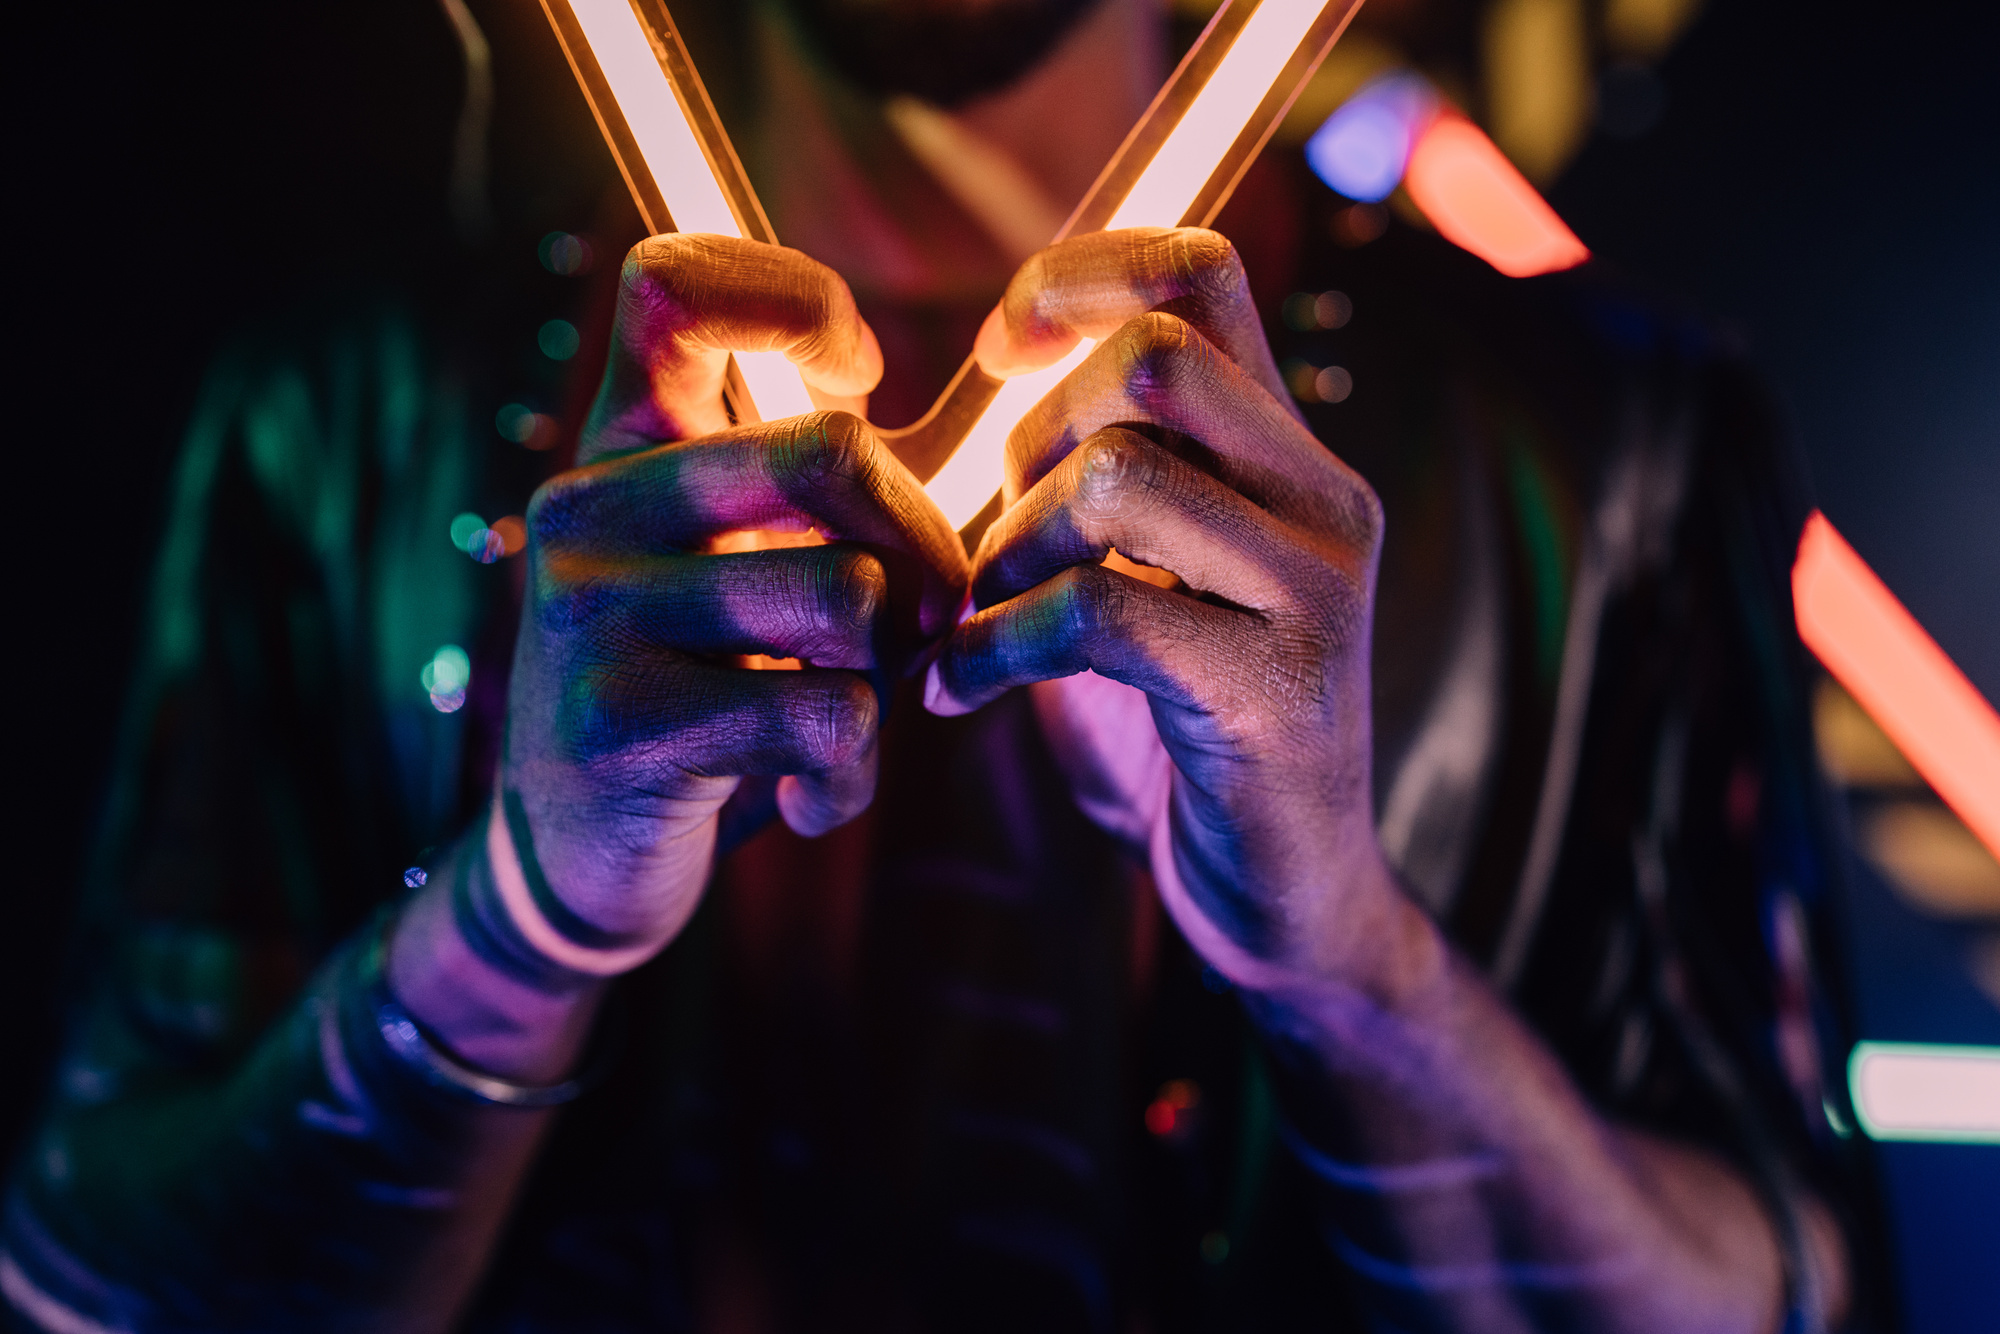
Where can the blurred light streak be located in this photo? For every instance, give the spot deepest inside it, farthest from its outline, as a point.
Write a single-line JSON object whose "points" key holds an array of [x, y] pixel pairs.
{"points": [[1477, 200], [1363, 147], [1538, 82], [1894, 670], [1923, 1091]]}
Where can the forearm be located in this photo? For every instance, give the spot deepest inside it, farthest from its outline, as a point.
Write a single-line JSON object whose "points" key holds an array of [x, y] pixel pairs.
{"points": [[336, 1179], [1467, 1183]]}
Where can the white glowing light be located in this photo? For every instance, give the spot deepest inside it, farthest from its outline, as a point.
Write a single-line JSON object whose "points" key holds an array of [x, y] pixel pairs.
{"points": [[775, 385], [680, 170], [1162, 193], [1914, 1091], [646, 99], [972, 475], [1218, 114]]}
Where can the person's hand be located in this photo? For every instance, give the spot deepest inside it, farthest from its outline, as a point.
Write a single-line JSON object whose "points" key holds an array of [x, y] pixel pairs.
{"points": [[1244, 767], [631, 719]]}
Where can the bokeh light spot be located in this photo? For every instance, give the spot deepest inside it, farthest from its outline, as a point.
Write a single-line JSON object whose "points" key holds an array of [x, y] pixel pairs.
{"points": [[1333, 384], [1358, 224], [445, 678], [565, 254], [512, 532], [515, 422], [1363, 147], [558, 340], [1170, 1115], [464, 528]]}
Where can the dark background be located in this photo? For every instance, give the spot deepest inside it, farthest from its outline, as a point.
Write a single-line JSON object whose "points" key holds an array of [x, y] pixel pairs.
{"points": [[1825, 177]]}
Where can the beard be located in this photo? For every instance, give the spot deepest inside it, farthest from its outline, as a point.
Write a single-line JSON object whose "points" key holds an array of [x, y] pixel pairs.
{"points": [[946, 52]]}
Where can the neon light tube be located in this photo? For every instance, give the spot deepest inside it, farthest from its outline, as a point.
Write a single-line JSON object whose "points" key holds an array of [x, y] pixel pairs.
{"points": [[1176, 168], [660, 118], [1921, 1091], [1895, 671], [1168, 186]]}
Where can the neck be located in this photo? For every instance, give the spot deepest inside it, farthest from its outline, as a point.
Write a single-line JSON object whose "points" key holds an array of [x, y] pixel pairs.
{"points": [[844, 184]]}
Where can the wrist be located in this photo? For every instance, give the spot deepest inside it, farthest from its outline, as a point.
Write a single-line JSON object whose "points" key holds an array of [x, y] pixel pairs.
{"points": [[1340, 924]]}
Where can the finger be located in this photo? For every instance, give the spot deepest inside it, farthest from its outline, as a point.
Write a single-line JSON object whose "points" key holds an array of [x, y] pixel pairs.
{"points": [[685, 302], [1159, 370], [820, 604], [652, 718], [1172, 647], [1090, 285], [817, 803], [826, 470], [1121, 490]]}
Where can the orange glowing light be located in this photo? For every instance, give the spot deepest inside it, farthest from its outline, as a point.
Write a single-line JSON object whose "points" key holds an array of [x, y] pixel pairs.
{"points": [[661, 118], [1894, 670], [1477, 200], [675, 153]]}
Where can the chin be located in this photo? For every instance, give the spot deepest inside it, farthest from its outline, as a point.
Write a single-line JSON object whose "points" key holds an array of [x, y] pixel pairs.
{"points": [[944, 51]]}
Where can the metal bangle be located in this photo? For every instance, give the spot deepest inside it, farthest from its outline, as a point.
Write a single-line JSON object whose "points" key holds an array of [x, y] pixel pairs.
{"points": [[420, 1054], [417, 1052]]}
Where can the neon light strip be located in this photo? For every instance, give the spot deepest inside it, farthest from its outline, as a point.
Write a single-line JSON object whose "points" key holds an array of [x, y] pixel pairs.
{"points": [[1920, 1091], [1895, 671], [1162, 193], [1217, 115], [673, 155]]}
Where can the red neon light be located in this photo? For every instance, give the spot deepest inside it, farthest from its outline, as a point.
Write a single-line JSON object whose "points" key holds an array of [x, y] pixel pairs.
{"points": [[1874, 647], [1477, 200]]}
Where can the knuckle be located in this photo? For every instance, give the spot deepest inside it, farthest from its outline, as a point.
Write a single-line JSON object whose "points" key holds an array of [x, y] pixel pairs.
{"points": [[840, 720], [553, 513], [822, 450], [1206, 261], [571, 591], [857, 587], [1150, 352], [1116, 467], [1093, 606]]}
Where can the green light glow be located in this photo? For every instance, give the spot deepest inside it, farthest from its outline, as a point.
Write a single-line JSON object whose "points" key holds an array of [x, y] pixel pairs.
{"points": [[464, 528], [559, 340], [448, 672]]}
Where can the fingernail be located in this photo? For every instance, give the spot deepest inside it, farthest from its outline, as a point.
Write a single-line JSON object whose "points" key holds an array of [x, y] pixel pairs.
{"points": [[991, 345], [938, 700]]}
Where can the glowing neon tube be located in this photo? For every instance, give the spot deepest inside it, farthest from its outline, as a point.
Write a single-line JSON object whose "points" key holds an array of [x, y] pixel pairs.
{"points": [[1926, 1091], [1873, 646], [661, 119], [1177, 168]]}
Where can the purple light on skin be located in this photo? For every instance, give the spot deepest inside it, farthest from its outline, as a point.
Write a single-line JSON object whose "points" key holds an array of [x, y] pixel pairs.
{"points": [[1364, 145]]}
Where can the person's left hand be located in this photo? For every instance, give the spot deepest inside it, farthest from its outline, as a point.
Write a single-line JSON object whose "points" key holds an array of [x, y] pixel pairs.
{"points": [[1176, 443]]}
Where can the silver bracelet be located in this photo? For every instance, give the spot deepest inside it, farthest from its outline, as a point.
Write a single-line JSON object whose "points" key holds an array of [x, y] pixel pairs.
{"points": [[420, 1054], [414, 1049]]}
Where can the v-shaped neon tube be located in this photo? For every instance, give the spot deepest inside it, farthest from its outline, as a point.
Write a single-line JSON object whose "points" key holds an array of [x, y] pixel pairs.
{"points": [[1177, 168]]}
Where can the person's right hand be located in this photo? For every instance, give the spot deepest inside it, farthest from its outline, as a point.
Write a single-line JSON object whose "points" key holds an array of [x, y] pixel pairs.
{"points": [[631, 720]]}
